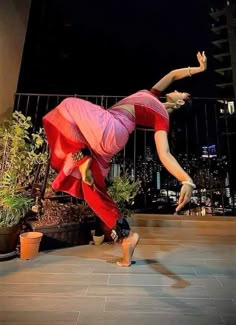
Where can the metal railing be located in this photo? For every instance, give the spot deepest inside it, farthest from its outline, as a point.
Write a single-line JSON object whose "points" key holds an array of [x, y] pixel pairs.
{"points": [[202, 138]]}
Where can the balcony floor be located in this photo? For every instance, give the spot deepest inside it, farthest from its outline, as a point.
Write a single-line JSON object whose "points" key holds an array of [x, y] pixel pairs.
{"points": [[183, 274]]}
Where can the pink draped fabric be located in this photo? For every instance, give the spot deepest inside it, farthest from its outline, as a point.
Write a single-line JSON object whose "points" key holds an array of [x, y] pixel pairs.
{"points": [[147, 99], [76, 124]]}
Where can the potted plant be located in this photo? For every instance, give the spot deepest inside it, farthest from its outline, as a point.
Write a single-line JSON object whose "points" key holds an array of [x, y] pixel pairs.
{"points": [[20, 152], [64, 221], [123, 190], [12, 210]]}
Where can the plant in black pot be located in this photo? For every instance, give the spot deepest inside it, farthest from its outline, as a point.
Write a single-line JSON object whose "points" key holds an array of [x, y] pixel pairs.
{"points": [[123, 189], [64, 221], [20, 152], [12, 210]]}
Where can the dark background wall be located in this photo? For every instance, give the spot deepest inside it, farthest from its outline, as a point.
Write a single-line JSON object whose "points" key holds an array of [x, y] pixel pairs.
{"points": [[113, 47]]}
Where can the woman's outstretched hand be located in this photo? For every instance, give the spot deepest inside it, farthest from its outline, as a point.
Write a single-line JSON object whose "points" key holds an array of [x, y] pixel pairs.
{"points": [[185, 196], [202, 59]]}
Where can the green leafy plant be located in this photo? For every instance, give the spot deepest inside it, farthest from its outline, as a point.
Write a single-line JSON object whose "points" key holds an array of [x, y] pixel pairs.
{"points": [[21, 151], [123, 191], [13, 208]]}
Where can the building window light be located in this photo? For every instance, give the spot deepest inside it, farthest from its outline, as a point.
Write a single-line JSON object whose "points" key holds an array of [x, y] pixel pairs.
{"points": [[231, 108]]}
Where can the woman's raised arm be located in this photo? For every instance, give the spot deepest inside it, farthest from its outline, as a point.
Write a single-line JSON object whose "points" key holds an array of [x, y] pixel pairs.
{"points": [[177, 74]]}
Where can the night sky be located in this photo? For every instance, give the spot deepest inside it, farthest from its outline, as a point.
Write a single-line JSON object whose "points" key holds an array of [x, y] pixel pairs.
{"points": [[113, 47]]}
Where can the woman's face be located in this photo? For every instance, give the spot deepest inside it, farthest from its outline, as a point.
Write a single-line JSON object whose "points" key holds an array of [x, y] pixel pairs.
{"points": [[174, 96]]}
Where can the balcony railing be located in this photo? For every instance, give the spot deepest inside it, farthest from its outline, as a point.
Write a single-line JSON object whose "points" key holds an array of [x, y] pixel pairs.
{"points": [[202, 138]]}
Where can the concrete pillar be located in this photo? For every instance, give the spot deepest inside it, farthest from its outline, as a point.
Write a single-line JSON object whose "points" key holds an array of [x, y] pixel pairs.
{"points": [[13, 26]]}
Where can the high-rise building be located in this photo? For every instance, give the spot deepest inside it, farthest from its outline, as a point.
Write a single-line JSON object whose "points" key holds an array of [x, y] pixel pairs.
{"points": [[223, 39]]}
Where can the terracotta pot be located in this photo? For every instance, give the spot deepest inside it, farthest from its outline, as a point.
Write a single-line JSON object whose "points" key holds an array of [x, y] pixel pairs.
{"points": [[29, 244]]}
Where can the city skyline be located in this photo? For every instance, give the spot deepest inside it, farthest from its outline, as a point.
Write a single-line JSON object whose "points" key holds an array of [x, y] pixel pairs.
{"points": [[159, 190]]}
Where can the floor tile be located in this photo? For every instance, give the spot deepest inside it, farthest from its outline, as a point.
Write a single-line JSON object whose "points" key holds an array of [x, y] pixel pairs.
{"points": [[51, 303], [42, 289], [130, 318], [170, 305], [29, 317]]}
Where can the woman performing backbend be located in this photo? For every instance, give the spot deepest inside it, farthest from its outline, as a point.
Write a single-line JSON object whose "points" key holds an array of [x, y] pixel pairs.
{"points": [[83, 138]]}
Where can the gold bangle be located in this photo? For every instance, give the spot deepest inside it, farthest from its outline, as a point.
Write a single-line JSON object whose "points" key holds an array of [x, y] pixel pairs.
{"points": [[189, 72]]}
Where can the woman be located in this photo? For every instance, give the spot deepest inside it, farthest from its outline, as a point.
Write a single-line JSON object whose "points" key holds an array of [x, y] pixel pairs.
{"points": [[84, 137]]}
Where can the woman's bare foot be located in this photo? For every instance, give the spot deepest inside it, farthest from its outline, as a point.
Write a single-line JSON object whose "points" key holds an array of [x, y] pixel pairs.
{"points": [[128, 246], [85, 171]]}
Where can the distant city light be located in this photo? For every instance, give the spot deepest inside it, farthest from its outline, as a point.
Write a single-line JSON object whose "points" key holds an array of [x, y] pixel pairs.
{"points": [[209, 151]]}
